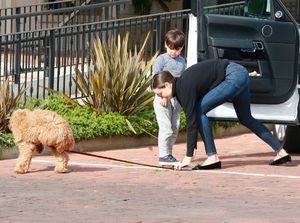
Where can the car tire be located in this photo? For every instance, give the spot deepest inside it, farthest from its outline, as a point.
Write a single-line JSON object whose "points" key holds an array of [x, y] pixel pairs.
{"points": [[289, 136]]}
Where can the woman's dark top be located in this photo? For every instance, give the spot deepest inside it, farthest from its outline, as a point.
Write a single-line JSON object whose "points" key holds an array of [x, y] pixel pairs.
{"points": [[190, 87]]}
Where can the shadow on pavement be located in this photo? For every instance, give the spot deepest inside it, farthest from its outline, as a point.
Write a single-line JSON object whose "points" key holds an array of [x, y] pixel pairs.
{"points": [[264, 159]]}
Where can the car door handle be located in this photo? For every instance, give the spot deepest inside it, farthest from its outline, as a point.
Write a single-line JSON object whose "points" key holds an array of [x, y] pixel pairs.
{"points": [[253, 50], [257, 45]]}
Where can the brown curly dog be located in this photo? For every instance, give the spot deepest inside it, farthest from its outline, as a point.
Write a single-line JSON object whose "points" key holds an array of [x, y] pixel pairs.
{"points": [[35, 129]]}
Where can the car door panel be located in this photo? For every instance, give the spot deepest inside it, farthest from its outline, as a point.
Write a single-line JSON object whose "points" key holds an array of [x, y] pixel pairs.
{"points": [[269, 53]]}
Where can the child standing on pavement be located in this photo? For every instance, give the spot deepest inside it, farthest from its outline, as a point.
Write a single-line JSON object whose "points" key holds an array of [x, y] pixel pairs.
{"points": [[168, 111]]}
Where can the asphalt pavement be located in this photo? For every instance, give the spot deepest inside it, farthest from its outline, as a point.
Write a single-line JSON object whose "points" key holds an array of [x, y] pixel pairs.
{"points": [[246, 189]]}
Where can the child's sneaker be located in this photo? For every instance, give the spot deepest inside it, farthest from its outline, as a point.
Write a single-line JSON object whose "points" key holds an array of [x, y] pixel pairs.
{"points": [[168, 160]]}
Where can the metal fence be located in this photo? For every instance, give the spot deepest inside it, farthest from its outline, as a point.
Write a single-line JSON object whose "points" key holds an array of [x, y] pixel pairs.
{"points": [[47, 58], [57, 14]]}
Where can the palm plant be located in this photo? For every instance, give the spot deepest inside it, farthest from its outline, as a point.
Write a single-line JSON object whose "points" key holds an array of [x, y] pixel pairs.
{"points": [[8, 103], [119, 80]]}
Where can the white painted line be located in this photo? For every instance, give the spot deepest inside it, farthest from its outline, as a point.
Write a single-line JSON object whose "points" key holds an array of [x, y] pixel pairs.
{"points": [[197, 171], [248, 174]]}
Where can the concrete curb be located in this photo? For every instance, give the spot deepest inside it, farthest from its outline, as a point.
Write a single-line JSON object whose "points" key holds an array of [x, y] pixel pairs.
{"points": [[124, 142]]}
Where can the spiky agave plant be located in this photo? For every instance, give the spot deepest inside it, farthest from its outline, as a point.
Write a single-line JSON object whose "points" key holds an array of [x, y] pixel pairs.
{"points": [[8, 103], [119, 79]]}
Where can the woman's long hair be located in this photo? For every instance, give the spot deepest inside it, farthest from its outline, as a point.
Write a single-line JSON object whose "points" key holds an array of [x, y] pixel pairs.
{"points": [[159, 79]]}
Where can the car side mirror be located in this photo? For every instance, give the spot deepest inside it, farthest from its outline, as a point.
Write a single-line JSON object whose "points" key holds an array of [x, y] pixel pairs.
{"points": [[255, 8]]}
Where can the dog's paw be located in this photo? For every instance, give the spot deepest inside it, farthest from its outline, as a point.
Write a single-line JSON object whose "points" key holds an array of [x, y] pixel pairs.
{"points": [[20, 170], [60, 170]]}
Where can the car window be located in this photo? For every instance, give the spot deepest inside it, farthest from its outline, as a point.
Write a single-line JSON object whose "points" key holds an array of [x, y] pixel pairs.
{"points": [[224, 7], [263, 9]]}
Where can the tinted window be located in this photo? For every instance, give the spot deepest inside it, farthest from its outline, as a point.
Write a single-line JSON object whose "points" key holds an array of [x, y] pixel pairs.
{"points": [[263, 9]]}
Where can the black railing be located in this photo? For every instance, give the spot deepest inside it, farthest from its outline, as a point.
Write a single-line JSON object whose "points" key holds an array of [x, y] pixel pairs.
{"points": [[24, 43], [48, 57], [47, 15]]}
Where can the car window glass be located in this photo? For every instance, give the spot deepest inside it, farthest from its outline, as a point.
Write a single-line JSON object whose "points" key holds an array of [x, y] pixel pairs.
{"points": [[247, 8], [263, 9]]}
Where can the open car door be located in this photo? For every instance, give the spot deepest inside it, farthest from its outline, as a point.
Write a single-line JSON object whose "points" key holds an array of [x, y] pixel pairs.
{"points": [[260, 35]]}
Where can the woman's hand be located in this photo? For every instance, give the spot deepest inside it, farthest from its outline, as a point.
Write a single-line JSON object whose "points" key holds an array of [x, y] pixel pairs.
{"points": [[185, 162], [164, 102]]}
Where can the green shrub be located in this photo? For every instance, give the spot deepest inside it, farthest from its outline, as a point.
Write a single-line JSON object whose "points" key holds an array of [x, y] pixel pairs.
{"points": [[6, 140], [88, 124]]}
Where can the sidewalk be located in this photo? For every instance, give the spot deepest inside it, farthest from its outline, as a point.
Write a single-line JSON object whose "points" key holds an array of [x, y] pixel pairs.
{"points": [[246, 189]]}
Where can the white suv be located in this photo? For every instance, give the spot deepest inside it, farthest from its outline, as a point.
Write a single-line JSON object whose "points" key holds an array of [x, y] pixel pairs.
{"points": [[263, 36]]}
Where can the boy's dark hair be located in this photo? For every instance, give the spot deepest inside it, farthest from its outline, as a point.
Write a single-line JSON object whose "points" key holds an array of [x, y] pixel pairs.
{"points": [[159, 79], [174, 39]]}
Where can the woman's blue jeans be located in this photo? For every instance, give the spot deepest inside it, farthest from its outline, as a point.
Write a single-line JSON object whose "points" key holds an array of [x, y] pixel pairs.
{"points": [[235, 87]]}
